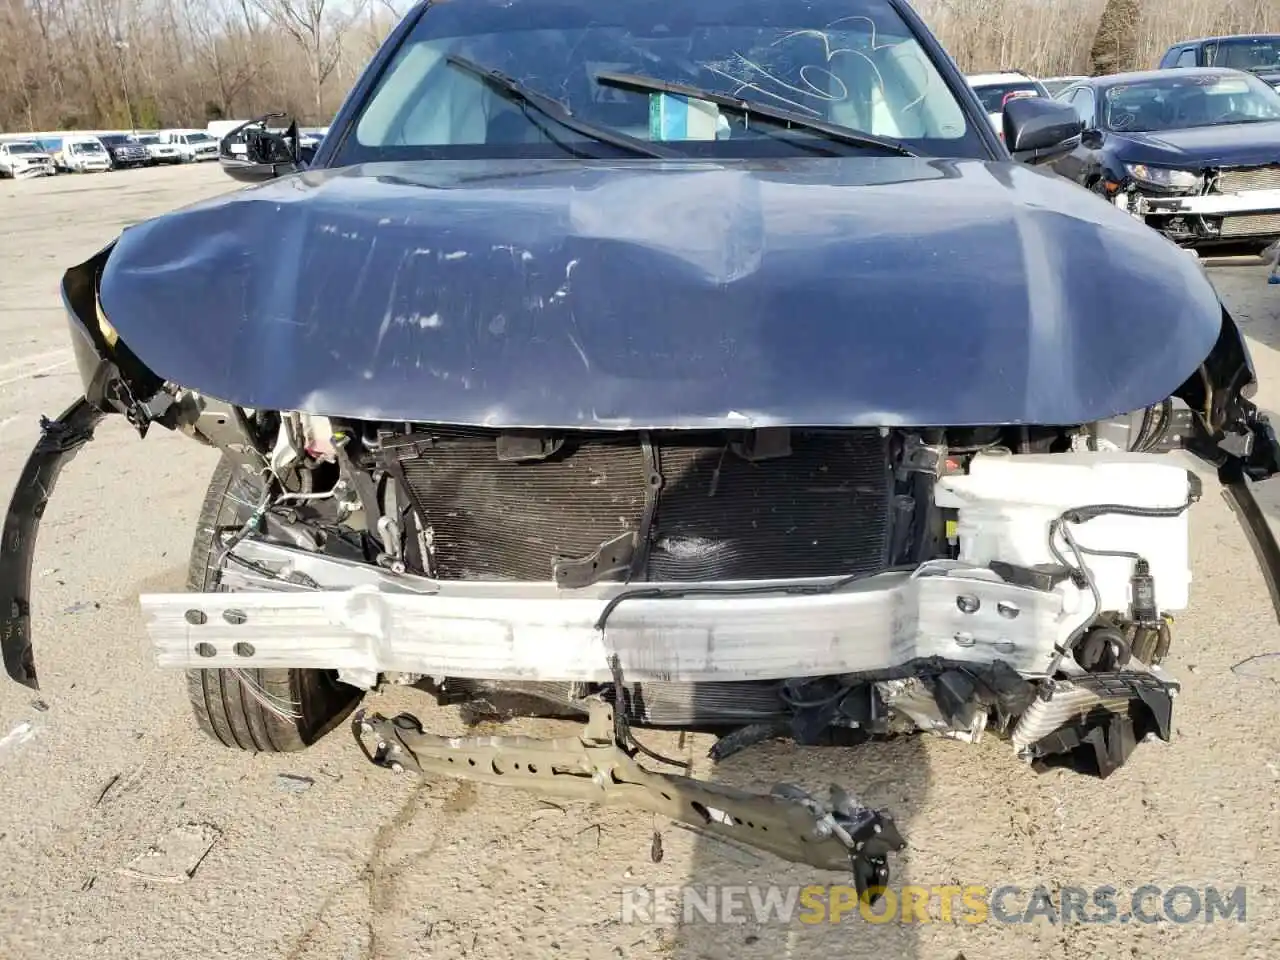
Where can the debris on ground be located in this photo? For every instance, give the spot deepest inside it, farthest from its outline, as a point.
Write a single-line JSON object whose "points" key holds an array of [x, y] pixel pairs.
{"points": [[176, 856], [81, 606], [39, 705], [107, 789], [1262, 666], [294, 783]]}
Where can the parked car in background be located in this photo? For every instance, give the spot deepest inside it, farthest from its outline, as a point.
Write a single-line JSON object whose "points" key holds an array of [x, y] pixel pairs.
{"points": [[1256, 53], [22, 159], [82, 154], [159, 151], [125, 151], [193, 145], [1194, 152], [1055, 85], [997, 89]]}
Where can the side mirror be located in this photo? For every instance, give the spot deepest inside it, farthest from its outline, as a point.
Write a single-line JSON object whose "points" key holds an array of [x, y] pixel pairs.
{"points": [[1091, 138], [1037, 130], [253, 153]]}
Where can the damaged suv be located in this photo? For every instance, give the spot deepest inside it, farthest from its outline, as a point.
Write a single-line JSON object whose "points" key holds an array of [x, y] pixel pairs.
{"points": [[711, 366]]}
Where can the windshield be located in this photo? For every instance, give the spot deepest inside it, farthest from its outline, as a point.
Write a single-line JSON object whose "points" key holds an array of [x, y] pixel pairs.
{"points": [[853, 63], [1057, 85], [994, 96], [87, 146], [113, 140], [1172, 103], [198, 138], [24, 148], [146, 141], [1244, 53]]}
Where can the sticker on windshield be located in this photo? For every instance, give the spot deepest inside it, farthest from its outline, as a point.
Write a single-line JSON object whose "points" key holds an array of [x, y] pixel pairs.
{"points": [[680, 118]]}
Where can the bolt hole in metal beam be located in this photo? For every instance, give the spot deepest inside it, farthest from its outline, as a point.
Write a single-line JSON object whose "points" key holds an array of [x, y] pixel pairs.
{"points": [[206, 650], [243, 649], [234, 617], [196, 617]]}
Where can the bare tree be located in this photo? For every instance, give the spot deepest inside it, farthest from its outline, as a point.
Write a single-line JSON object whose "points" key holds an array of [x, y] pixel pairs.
{"points": [[186, 59], [318, 31], [1115, 45]]}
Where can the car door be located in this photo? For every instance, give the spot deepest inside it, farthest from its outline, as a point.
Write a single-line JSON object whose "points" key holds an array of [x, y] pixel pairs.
{"points": [[1081, 163]]}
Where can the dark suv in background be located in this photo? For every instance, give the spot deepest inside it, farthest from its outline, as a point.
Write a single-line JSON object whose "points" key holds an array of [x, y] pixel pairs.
{"points": [[125, 151], [1256, 53]]}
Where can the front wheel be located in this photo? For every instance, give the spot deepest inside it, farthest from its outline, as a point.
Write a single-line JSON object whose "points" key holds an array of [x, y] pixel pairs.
{"points": [[266, 711]]}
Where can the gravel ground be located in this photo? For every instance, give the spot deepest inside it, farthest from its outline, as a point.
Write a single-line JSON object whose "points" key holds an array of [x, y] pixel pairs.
{"points": [[354, 863]]}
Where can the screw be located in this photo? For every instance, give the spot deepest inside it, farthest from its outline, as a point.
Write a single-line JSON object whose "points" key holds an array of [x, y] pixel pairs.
{"points": [[822, 830], [395, 748], [876, 828], [397, 768], [382, 744], [366, 727]]}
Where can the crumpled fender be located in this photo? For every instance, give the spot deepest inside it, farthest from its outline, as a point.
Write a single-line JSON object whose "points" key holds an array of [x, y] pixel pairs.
{"points": [[60, 440]]}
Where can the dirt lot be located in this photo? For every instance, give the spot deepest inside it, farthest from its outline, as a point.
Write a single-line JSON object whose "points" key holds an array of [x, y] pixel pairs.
{"points": [[354, 863]]}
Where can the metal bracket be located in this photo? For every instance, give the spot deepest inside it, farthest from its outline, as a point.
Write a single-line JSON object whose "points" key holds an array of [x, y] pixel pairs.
{"points": [[610, 557], [836, 834], [920, 457], [763, 443]]}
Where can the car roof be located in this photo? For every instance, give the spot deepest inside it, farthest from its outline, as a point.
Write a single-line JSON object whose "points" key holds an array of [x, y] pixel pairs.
{"points": [[1137, 76], [1225, 36], [1007, 77]]}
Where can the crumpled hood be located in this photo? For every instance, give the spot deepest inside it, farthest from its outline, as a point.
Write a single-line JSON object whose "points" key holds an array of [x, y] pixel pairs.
{"points": [[1229, 144], [625, 294]]}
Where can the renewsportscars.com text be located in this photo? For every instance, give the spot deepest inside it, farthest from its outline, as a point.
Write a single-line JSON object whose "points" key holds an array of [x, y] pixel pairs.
{"points": [[971, 904]]}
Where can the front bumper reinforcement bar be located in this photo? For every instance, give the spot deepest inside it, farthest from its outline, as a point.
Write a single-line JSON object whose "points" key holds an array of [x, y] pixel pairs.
{"points": [[838, 834]]}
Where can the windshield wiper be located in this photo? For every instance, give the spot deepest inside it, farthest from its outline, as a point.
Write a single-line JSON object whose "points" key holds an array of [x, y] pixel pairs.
{"points": [[516, 92], [775, 116]]}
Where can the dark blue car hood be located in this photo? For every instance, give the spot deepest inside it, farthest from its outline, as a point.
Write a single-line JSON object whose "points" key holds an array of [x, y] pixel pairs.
{"points": [[851, 291], [1223, 144]]}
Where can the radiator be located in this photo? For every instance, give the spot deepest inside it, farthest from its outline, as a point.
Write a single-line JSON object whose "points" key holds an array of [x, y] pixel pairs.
{"points": [[822, 509]]}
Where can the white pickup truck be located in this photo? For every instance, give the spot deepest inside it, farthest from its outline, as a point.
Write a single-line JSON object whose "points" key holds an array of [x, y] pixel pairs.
{"points": [[22, 159], [193, 145]]}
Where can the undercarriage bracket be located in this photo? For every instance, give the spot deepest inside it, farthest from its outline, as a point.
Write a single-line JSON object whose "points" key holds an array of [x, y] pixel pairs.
{"points": [[836, 834]]}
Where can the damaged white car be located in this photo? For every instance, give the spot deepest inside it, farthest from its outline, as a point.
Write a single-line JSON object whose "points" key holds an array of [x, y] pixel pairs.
{"points": [[599, 364]]}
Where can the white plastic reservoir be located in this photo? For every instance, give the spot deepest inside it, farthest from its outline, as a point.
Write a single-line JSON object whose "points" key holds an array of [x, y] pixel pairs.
{"points": [[1006, 503]]}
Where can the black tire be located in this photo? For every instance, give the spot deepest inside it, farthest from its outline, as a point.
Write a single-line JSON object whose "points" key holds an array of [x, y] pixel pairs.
{"points": [[228, 704]]}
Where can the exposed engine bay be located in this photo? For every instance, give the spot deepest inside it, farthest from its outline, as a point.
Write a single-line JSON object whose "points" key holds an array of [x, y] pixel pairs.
{"points": [[808, 584]]}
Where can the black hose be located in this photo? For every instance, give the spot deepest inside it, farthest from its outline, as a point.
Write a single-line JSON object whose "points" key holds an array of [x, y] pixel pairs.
{"points": [[807, 589]]}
